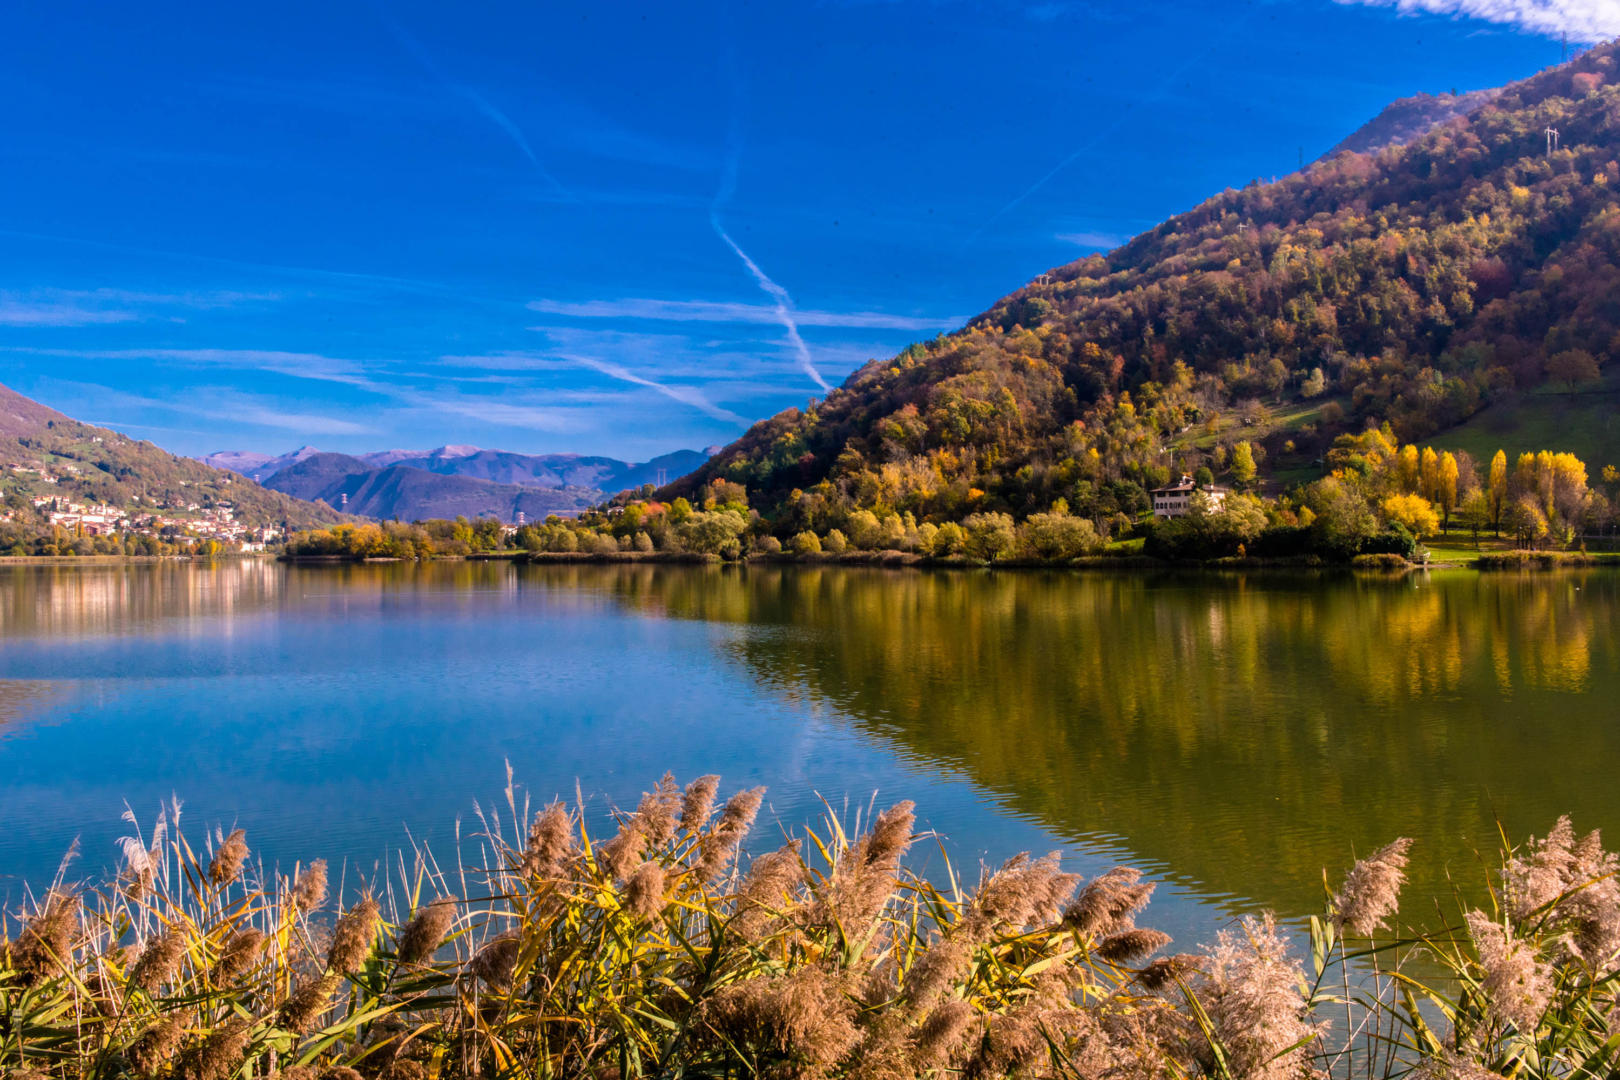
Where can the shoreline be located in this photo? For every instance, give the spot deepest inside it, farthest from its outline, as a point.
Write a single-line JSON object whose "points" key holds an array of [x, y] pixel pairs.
{"points": [[1486, 561], [1494, 561]]}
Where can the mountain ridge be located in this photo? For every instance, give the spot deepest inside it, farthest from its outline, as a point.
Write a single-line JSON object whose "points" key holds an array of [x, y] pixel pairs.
{"points": [[406, 492], [477, 482]]}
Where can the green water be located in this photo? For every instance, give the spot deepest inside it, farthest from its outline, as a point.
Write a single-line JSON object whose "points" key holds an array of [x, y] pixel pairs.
{"points": [[1234, 734]]}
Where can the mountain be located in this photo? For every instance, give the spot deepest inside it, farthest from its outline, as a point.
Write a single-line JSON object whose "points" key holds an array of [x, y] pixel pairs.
{"points": [[409, 493], [254, 466], [1415, 287], [608, 475], [605, 474], [1400, 122], [46, 454], [553, 483]]}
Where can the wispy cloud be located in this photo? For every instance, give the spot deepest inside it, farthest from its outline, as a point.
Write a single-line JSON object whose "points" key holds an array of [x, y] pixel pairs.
{"points": [[782, 303], [1103, 240], [92, 307], [715, 311], [299, 365], [212, 402], [478, 101], [687, 395], [1583, 20], [1125, 116]]}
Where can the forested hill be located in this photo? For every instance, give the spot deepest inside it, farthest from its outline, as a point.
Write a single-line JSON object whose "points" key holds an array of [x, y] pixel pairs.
{"points": [[47, 455], [1415, 285]]}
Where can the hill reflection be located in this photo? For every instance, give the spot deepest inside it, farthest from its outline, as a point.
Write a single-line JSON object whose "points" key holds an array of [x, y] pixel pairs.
{"points": [[1242, 732]]}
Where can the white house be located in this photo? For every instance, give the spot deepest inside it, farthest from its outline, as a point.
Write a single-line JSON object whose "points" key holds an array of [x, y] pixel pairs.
{"points": [[1175, 500]]}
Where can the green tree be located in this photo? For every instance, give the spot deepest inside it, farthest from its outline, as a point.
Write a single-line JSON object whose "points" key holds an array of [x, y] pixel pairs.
{"points": [[1243, 467], [806, 543], [990, 536]]}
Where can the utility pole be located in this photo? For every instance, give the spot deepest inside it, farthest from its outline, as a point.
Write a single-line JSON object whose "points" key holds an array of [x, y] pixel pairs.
{"points": [[1552, 140]]}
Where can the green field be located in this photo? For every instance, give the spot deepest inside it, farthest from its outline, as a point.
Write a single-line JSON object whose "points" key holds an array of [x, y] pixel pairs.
{"points": [[1586, 424]]}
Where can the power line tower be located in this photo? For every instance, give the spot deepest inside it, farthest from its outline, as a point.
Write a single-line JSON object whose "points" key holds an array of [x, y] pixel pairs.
{"points": [[1552, 140]]}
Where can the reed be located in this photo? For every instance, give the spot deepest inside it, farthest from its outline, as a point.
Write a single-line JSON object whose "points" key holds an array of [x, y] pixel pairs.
{"points": [[655, 949]]}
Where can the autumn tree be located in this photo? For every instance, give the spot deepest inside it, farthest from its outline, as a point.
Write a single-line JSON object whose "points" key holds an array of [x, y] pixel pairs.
{"points": [[1243, 467], [1429, 473], [1414, 512], [1496, 489], [1573, 367], [1446, 488], [1406, 469]]}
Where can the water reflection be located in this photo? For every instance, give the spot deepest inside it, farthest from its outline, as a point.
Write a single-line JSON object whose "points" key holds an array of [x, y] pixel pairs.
{"points": [[1238, 733], [1241, 732]]}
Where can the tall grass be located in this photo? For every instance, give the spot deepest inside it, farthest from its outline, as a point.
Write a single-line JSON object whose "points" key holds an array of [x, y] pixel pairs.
{"points": [[655, 949]]}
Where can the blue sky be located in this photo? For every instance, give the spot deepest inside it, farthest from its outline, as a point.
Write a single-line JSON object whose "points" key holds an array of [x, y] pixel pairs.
{"points": [[621, 228]]}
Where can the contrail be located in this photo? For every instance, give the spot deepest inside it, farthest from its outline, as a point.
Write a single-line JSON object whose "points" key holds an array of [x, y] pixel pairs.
{"points": [[779, 296], [479, 102], [685, 394], [1120, 120], [783, 302]]}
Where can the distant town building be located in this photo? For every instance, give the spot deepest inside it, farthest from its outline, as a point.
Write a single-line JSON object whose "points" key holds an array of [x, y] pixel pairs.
{"points": [[1175, 500]]}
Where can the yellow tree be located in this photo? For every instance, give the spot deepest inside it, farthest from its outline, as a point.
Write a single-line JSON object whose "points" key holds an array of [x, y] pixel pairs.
{"points": [[1243, 467], [1497, 490], [1429, 473], [1413, 511], [1406, 469], [1446, 488]]}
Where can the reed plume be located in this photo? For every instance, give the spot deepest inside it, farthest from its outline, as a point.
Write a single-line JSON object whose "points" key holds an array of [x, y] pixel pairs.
{"points": [[697, 804], [497, 960], [840, 964], [221, 1053], [767, 888], [426, 931], [644, 892], [228, 860], [158, 1044], [353, 937], [718, 847], [1516, 982], [308, 1004], [1108, 904], [46, 942], [551, 842], [1250, 988], [1131, 946], [659, 811], [1372, 889], [159, 962], [309, 891]]}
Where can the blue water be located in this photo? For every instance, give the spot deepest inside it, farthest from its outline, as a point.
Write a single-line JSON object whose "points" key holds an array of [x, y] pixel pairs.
{"points": [[1232, 736]]}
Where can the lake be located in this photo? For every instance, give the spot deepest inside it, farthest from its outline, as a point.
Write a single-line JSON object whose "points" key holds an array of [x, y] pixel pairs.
{"points": [[1232, 734]]}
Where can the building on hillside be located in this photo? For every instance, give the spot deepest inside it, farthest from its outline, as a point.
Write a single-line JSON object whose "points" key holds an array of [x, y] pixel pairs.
{"points": [[1175, 500]]}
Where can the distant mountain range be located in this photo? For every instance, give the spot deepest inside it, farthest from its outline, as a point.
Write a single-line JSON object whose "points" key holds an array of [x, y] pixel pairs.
{"points": [[453, 481]]}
